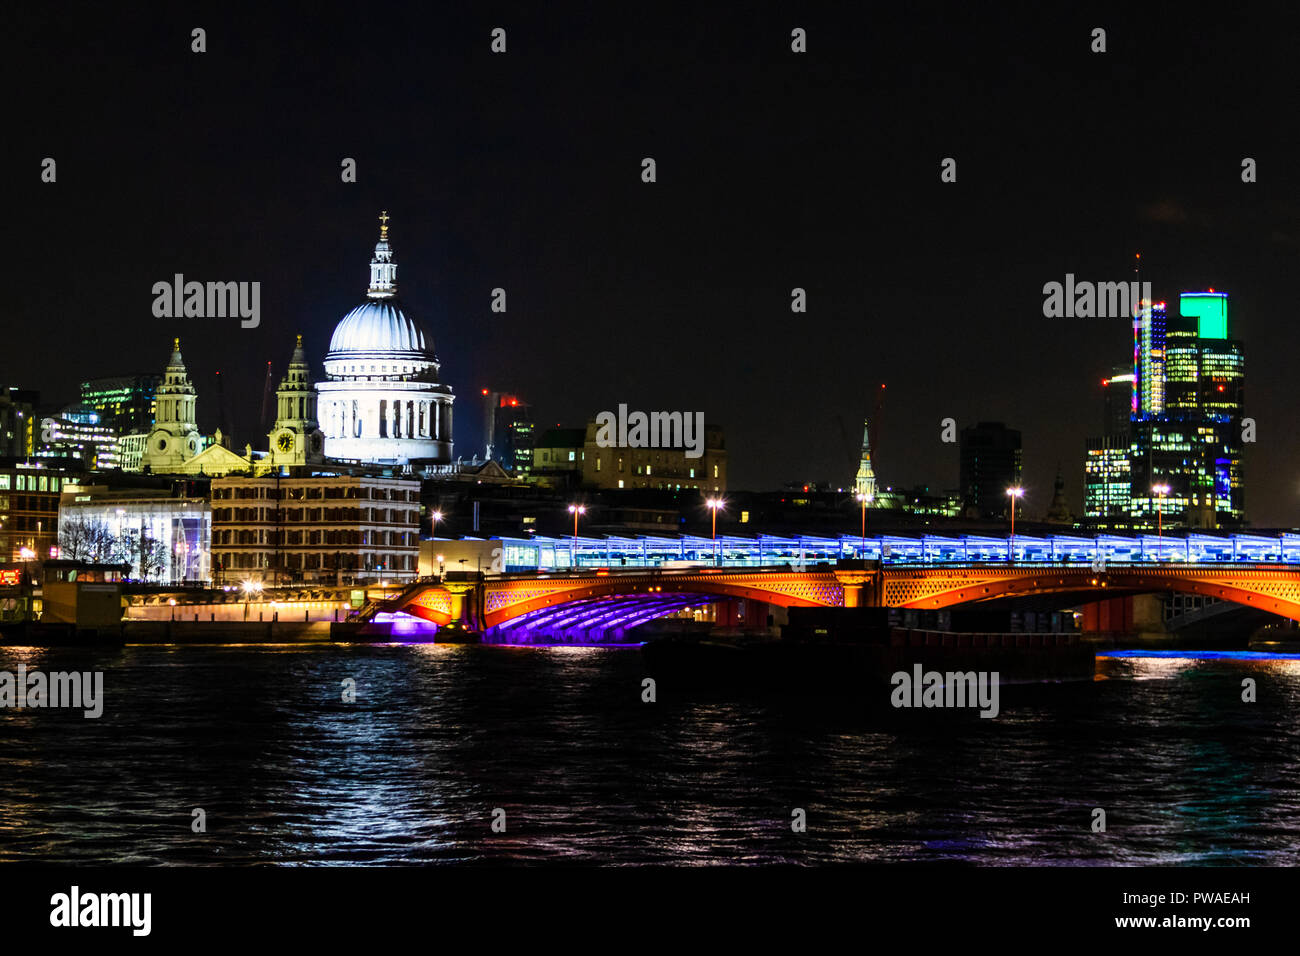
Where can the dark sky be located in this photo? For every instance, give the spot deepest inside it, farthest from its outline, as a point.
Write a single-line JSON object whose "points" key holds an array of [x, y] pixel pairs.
{"points": [[775, 170]]}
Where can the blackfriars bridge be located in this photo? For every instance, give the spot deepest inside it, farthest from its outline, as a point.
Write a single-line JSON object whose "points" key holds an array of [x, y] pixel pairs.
{"points": [[495, 607]]}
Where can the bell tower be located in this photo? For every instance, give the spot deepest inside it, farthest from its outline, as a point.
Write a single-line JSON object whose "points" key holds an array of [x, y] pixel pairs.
{"points": [[174, 438], [296, 438]]}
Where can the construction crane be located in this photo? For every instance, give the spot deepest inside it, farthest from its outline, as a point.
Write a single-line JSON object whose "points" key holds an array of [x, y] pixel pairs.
{"points": [[268, 398]]}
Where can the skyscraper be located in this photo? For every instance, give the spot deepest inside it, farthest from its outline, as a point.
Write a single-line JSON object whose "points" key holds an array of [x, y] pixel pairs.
{"points": [[1107, 469], [1149, 359], [990, 464], [510, 432], [1186, 424], [1117, 400]]}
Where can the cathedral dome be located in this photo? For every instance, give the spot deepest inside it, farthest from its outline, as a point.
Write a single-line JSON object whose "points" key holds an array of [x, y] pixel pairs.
{"points": [[381, 400], [377, 329]]}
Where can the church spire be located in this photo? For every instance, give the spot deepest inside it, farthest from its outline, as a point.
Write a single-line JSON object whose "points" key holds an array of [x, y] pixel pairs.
{"points": [[864, 483], [383, 270], [1058, 512]]}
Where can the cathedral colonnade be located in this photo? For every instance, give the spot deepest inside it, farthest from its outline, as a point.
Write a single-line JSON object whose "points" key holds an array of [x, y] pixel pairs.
{"points": [[386, 417]]}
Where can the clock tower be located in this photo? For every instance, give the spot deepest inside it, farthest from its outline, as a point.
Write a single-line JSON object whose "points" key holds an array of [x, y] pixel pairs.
{"points": [[296, 438]]}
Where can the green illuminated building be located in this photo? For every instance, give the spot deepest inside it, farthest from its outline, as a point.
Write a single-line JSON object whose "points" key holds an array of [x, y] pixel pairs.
{"points": [[124, 403], [1185, 430]]}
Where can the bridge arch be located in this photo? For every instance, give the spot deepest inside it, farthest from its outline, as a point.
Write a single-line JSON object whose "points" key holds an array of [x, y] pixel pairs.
{"points": [[1272, 589], [503, 599]]}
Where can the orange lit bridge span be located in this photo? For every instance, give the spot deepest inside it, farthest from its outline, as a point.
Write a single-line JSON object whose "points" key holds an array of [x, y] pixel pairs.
{"points": [[1275, 589], [605, 599], [479, 603]]}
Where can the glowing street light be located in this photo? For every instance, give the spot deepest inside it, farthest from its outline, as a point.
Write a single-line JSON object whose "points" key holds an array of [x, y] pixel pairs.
{"points": [[576, 510], [1015, 494], [714, 505], [865, 499], [249, 588], [436, 516], [1161, 491]]}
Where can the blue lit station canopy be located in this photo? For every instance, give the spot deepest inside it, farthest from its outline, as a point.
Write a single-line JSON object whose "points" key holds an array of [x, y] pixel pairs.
{"points": [[541, 553]]}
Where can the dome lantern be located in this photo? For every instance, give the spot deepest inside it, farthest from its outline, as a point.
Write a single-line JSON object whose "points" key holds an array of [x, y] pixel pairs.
{"points": [[383, 269]]}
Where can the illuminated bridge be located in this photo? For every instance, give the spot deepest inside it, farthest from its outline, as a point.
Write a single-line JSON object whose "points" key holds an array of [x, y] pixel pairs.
{"points": [[545, 554], [618, 583]]}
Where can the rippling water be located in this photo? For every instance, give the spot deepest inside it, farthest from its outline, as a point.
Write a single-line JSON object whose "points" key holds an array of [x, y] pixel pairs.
{"points": [[559, 738]]}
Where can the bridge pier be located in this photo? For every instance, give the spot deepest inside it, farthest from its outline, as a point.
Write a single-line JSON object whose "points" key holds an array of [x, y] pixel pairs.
{"points": [[862, 582], [1132, 616], [465, 626]]}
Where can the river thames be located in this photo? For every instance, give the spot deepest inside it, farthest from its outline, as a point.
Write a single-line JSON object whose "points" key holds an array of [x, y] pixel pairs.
{"points": [[439, 737]]}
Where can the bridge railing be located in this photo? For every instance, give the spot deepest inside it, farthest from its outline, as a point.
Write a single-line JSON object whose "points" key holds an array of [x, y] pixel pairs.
{"points": [[902, 563], [652, 571]]}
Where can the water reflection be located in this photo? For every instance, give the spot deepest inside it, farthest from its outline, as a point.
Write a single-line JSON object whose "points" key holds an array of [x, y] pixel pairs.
{"points": [[559, 738]]}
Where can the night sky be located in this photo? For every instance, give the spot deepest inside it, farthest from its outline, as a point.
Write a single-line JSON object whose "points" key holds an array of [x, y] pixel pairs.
{"points": [[775, 170]]}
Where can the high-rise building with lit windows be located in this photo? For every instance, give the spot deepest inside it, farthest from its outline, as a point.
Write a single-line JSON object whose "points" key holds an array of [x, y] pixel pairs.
{"points": [[1108, 480], [1185, 429], [1149, 360], [510, 432], [125, 403]]}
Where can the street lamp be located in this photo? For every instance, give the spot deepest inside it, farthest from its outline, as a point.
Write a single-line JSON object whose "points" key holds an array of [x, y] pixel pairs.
{"points": [[864, 499], [1015, 493], [249, 587], [1161, 491], [714, 505], [576, 510], [436, 516]]}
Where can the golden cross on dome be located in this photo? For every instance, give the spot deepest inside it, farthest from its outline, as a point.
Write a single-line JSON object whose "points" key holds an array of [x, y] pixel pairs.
{"points": [[300, 341], [383, 225], [176, 344]]}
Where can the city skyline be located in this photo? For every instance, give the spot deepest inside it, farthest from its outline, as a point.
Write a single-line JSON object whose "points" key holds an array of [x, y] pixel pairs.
{"points": [[934, 288], [491, 438]]}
